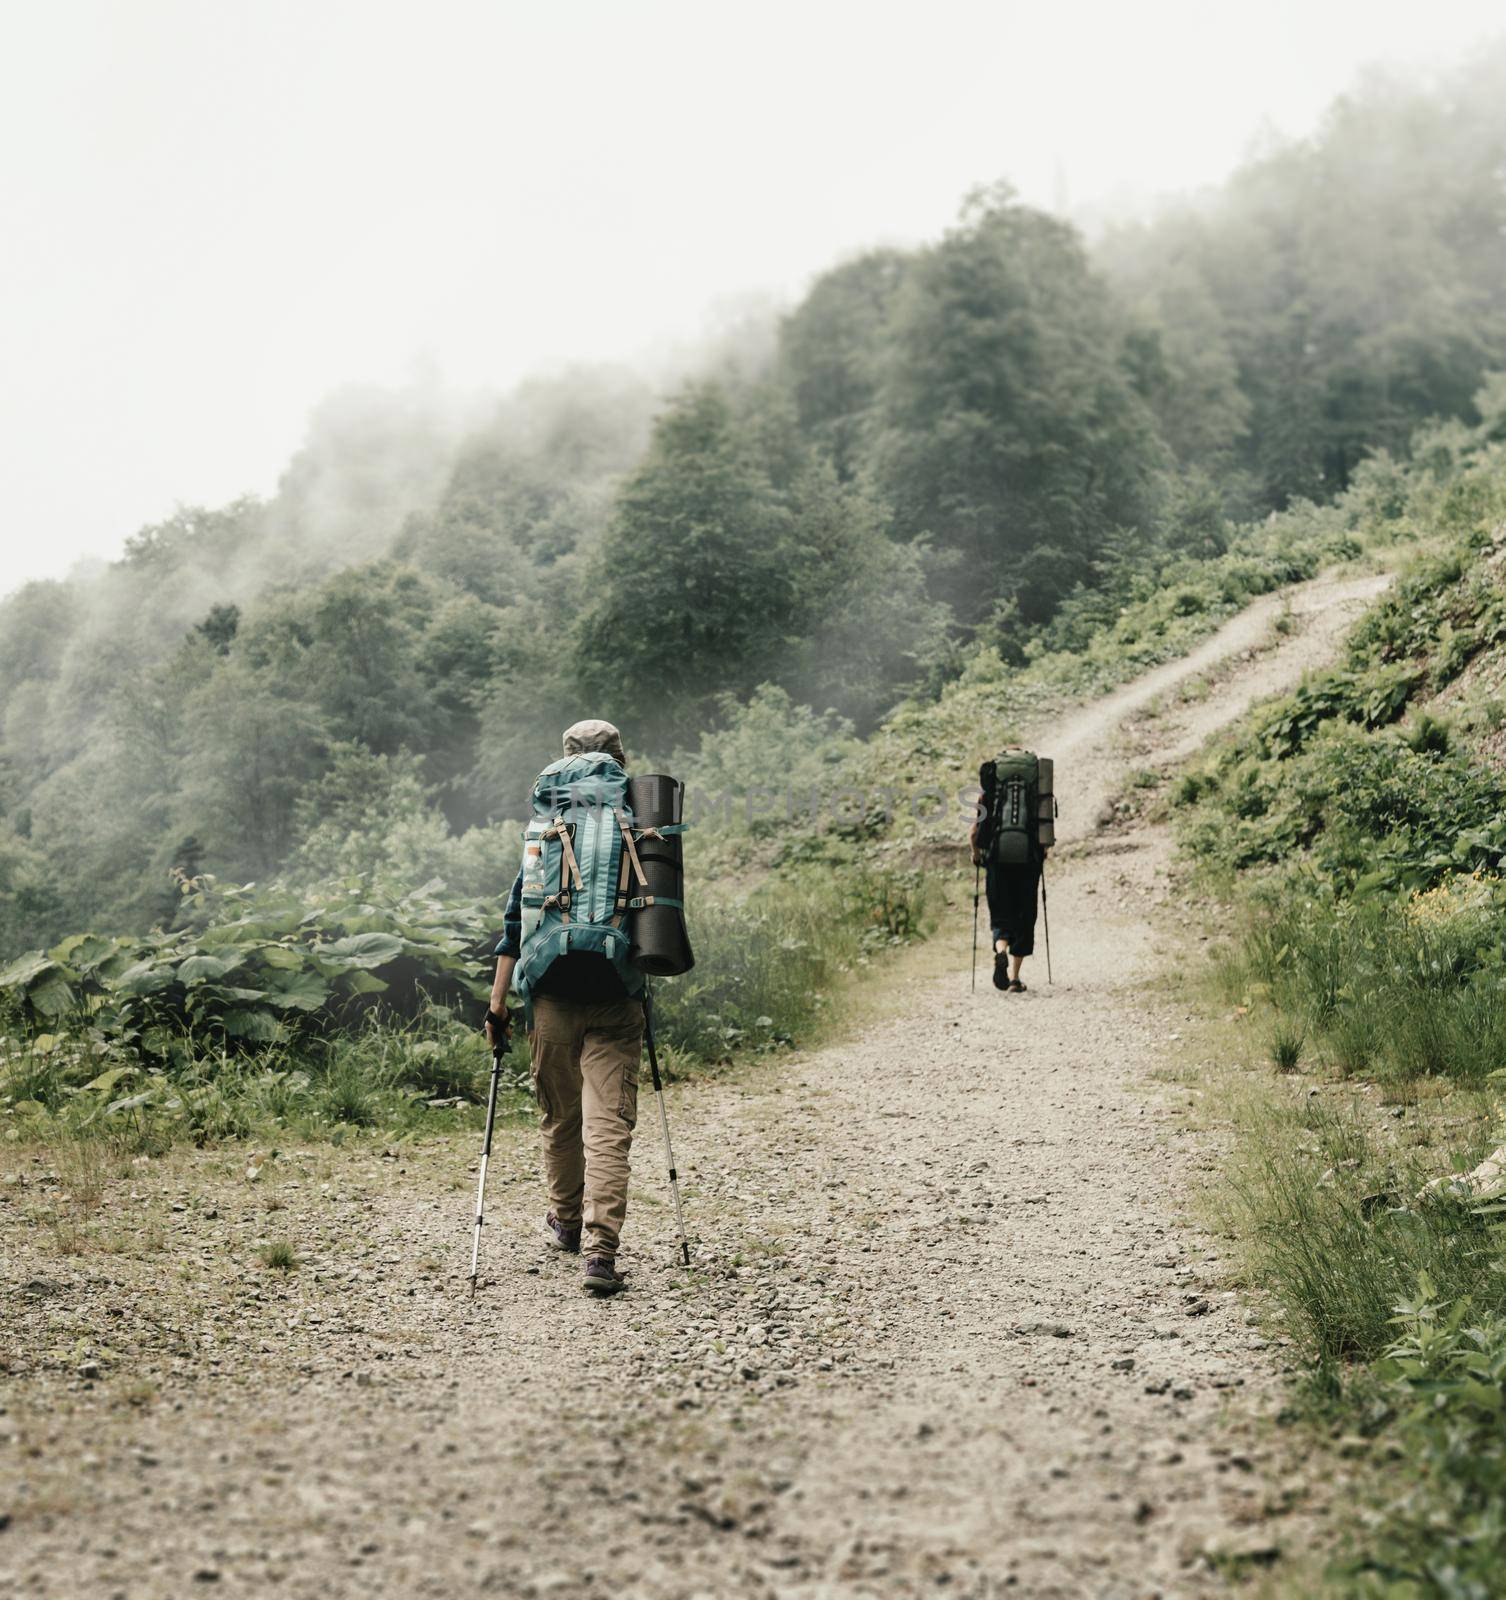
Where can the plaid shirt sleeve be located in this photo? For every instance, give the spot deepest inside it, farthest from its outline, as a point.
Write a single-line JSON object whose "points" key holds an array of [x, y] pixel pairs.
{"points": [[511, 942]]}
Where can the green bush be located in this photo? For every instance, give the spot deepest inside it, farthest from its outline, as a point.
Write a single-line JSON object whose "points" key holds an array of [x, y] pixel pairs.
{"points": [[253, 969], [1444, 1534], [767, 972], [768, 967]]}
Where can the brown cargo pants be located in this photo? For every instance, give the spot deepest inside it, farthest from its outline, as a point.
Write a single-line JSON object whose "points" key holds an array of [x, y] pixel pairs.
{"points": [[585, 1075]]}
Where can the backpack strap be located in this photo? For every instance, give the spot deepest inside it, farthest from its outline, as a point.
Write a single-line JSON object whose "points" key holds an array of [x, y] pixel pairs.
{"points": [[630, 860], [570, 879], [630, 863], [630, 850]]}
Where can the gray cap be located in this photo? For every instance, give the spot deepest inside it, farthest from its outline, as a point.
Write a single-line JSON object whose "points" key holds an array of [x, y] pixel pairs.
{"points": [[583, 737]]}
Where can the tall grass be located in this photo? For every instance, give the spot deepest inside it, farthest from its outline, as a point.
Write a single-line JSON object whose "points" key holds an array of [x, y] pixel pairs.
{"points": [[769, 966], [1392, 1287], [1340, 1225], [1390, 990]]}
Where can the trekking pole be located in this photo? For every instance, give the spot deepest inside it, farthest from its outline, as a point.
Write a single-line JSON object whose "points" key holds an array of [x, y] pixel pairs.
{"points": [[977, 879], [486, 1150], [1046, 919], [669, 1154]]}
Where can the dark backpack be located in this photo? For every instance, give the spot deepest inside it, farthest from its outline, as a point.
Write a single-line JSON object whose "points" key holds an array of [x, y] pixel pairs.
{"points": [[1019, 806]]}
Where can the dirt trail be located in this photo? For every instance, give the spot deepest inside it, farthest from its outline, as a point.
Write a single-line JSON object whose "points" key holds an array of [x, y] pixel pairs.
{"points": [[949, 1328]]}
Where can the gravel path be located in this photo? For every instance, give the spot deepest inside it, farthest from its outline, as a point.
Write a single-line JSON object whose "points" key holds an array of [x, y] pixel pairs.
{"points": [[949, 1328]]}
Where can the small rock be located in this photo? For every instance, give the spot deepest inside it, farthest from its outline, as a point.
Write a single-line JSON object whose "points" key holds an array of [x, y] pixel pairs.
{"points": [[1124, 1364], [1243, 1547], [89, 1369]]}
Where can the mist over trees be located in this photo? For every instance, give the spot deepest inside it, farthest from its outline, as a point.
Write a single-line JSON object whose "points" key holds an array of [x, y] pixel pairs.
{"points": [[1333, 293], [933, 451]]}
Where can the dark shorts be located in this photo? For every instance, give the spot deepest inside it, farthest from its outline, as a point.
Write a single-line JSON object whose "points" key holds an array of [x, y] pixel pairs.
{"points": [[1012, 900]]}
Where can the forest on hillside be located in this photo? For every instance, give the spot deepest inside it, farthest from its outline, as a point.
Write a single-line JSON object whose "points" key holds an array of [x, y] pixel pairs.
{"points": [[938, 451]]}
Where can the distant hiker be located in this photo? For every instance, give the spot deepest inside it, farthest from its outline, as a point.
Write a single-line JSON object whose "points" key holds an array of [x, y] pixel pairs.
{"points": [[583, 997], [1011, 835]]}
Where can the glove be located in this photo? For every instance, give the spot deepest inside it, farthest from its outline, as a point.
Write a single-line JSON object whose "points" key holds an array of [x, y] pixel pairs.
{"points": [[498, 1029]]}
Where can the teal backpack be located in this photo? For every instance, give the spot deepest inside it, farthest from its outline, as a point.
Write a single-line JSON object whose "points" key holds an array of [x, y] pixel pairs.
{"points": [[581, 873]]}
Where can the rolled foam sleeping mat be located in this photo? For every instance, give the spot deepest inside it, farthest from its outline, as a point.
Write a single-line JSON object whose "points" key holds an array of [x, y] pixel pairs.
{"points": [[658, 941], [1046, 786]]}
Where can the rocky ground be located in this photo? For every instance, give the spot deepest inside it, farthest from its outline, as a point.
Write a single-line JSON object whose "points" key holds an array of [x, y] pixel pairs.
{"points": [[949, 1328]]}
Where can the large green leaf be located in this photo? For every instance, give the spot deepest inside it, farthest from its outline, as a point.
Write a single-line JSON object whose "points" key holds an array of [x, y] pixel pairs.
{"points": [[51, 994], [257, 1026], [198, 969], [25, 968], [119, 961], [361, 982], [368, 949], [249, 930], [131, 1101], [108, 1079], [297, 991], [144, 977], [85, 950], [281, 955]]}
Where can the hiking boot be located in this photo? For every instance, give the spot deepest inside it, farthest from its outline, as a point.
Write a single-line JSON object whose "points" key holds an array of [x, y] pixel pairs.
{"points": [[562, 1236], [602, 1276], [1001, 969]]}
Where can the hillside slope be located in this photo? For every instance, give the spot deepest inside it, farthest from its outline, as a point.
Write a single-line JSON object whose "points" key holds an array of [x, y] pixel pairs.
{"points": [[946, 1316], [1358, 825]]}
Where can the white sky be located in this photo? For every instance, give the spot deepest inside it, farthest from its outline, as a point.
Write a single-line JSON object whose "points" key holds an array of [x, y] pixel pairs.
{"points": [[215, 212]]}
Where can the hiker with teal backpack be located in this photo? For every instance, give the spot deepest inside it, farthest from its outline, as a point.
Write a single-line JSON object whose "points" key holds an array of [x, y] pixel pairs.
{"points": [[572, 948], [1014, 829]]}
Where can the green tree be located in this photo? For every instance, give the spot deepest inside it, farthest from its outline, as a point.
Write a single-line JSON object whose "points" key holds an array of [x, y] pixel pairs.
{"points": [[1012, 433], [872, 628], [831, 352], [696, 587], [220, 627], [254, 746]]}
